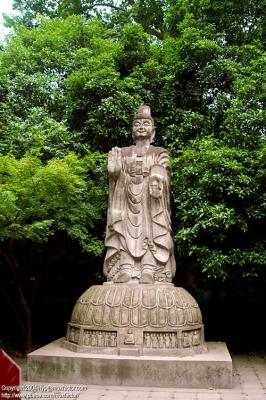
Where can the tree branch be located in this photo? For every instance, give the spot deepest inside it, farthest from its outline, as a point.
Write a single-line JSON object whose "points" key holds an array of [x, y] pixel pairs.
{"points": [[107, 5]]}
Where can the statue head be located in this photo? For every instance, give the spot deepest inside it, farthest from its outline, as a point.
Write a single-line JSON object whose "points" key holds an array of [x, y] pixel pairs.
{"points": [[143, 124]]}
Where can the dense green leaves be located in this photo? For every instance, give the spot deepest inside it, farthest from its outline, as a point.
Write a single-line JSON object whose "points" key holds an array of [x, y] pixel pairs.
{"points": [[38, 198], [73, 82], [219, 193]]}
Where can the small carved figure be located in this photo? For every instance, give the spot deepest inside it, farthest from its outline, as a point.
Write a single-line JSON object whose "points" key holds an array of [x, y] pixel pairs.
{"points": [[113, 339], [129, 339], [147, 340], [167, 341], [86, 338], [76, 335], [186, 340], [161, 340], [154, 340], [138, 233], [172, 340], [107, 339], [72, 334], [100, 339], [196, 338], [93, 339]]}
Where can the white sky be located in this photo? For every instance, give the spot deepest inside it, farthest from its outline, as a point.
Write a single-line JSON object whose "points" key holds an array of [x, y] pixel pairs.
{"points": [[5, 7]]}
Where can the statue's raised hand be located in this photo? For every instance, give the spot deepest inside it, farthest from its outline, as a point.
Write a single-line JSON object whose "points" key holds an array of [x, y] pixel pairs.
{"points": [[114, 162]]}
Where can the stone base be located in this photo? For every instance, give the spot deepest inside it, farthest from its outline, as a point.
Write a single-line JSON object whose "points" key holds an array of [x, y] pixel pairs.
{"points": [[52, 363], [151, 319]]}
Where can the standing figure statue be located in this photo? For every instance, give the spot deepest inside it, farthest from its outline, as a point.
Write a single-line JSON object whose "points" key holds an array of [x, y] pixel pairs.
{"points": [[138, 233]]}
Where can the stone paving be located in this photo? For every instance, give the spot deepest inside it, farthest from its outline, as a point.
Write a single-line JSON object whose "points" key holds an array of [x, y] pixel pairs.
{"points": [[249, 383]]}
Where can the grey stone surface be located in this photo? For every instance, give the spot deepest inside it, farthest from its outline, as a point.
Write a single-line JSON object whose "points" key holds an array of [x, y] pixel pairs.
{"points": [[52, 363], [255, 388]]}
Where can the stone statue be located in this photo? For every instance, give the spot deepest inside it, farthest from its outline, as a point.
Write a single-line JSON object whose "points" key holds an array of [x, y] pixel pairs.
{"points": [[138, 234], [138, 311]]}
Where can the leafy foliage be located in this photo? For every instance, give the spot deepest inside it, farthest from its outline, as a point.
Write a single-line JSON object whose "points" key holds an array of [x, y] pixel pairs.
{"points": [[220, 200], [71, 84], [37, 199]]}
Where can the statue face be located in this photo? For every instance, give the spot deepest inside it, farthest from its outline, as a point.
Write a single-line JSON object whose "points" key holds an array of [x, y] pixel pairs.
{"points": [[142, 128]]}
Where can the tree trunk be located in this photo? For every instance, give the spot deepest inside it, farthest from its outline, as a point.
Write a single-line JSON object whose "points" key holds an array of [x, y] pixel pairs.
{"points": [[24, 319]]}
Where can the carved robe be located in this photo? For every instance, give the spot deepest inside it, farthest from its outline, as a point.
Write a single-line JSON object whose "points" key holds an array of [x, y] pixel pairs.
{"points": [[138, 228]]}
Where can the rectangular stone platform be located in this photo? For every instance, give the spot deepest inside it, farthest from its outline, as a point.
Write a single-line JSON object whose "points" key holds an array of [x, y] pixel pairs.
{"points": [[52, 363]]}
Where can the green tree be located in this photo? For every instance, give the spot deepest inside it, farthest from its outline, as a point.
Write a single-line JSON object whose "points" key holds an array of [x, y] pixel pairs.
{"points": [[66, 74], [216, 135], [36, 200], [220, 202], [235, 22], [205, 79], [115, 14]]}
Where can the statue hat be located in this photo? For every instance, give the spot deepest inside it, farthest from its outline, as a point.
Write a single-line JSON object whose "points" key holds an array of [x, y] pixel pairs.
{"points": [[144, 112]]}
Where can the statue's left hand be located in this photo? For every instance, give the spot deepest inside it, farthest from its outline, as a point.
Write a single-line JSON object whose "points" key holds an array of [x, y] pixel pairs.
{"points": [[156, 186]]}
